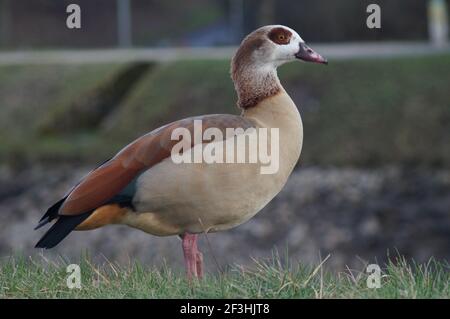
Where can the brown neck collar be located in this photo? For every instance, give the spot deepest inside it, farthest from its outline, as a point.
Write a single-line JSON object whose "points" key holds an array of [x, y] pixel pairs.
{"points": [[253, 82]]}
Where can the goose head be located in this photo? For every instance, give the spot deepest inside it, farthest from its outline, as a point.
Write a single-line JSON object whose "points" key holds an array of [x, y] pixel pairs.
{"points": [[253, 67], [275, 45]]}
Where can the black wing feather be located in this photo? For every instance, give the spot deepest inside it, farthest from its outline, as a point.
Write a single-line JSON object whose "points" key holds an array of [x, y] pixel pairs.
{"points": [[63, 226], [50, 214]]}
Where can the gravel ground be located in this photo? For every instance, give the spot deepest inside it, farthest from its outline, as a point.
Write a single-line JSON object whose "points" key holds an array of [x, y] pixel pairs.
{"points": [[355, 215]]}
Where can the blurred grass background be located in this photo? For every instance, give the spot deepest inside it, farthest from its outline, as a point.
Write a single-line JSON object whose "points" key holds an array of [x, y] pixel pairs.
{"points": [[356, 113]]}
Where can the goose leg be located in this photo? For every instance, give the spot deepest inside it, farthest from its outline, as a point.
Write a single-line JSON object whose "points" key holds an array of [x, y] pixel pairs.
{"points": [[192, 257]]}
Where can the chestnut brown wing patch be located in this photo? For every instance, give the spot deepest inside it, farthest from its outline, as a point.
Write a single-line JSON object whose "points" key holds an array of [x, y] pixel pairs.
{"points": [[107, 181]]}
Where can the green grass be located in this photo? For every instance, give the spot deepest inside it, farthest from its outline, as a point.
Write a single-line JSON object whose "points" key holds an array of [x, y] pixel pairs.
{"points": [[27, 278]]}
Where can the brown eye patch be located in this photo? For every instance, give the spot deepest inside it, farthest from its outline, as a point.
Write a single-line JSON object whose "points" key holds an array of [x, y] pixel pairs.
{"points": [[280, 36]]}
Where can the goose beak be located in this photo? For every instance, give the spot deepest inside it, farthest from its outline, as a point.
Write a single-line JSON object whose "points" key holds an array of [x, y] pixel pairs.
{"points": [[307, 54]]}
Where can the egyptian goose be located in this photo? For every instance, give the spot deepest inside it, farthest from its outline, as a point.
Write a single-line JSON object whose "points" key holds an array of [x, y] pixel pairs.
{"points": [[143, 187]]}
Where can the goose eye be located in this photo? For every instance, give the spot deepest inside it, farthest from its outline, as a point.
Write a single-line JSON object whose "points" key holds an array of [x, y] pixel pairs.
{"points": [[280, 36]]}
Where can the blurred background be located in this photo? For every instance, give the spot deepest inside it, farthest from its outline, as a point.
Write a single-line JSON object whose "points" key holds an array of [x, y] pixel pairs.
{"points": [[373, 180]]}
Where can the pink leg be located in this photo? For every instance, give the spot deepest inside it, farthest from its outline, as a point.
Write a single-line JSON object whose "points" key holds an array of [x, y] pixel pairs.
{"points": [[193, 259]]}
